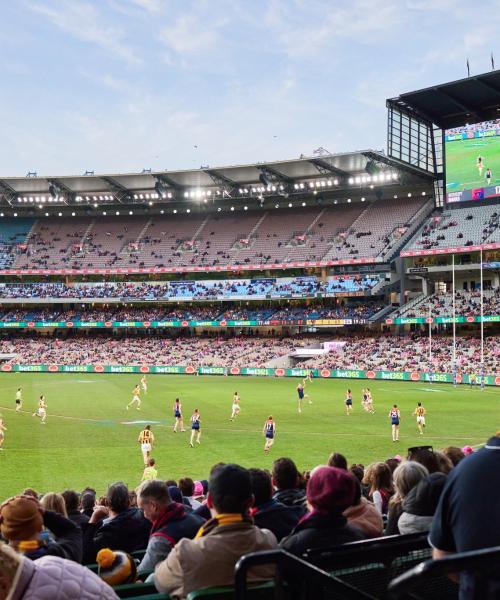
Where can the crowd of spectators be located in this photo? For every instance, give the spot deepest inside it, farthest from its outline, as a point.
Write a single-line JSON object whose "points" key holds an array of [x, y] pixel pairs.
{"points": [[411, 353], [357, 352], [341, 309], [192, 533], [241, 351], [307, 287], [467, 304]]}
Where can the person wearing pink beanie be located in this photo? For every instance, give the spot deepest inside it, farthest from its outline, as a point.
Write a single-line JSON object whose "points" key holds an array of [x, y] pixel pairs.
{"points": [[330, 491]]}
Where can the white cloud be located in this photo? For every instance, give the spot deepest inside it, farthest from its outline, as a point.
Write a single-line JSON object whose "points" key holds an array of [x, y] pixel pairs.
{"points": [[150, 6], [189, 34], [82, 21]]}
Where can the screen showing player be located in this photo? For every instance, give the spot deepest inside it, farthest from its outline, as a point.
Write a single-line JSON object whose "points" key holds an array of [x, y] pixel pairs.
{"points": [[473, 161]]}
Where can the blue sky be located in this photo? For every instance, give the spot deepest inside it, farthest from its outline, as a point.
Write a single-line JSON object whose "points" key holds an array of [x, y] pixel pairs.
{"points": [[122, 85]]}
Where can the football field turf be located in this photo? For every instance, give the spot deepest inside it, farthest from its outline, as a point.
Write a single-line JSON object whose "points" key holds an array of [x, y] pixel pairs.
{"points": [[461, 160], [91, 440]]}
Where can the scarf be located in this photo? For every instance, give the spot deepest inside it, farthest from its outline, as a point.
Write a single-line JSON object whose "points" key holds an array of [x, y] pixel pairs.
{"points": [[222, 520], [173, 512]]}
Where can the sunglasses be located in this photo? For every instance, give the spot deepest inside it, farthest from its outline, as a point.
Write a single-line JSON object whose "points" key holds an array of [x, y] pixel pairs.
{"points": [[418, 448]]}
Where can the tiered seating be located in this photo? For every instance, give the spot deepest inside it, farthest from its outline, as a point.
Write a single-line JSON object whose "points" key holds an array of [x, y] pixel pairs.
{"points": [[466, 304], [205, 290], [298, 234], [12, 233], [374, 231], [467, 226]]}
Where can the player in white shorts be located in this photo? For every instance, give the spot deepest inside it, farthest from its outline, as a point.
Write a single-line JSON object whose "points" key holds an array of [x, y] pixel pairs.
{"points": [[144, 384], [419, 412], [2, 434], [19, 399], [136, 398], [236, 406], [42, 409], [146, 439], [369, 401]]}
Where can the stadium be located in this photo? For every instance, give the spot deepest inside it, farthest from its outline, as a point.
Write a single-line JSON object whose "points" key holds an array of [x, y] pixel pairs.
{"points": [[343, 294]]}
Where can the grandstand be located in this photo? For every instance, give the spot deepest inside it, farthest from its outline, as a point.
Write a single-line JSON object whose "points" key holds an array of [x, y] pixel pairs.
{"points": [[330, 273], [468, 226], [366, 232]]}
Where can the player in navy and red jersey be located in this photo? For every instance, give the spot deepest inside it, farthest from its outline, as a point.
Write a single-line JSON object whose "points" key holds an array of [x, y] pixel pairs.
{"points": [[195, 427], [269, 433], [178, 416], [348, 402], [395, 417]]}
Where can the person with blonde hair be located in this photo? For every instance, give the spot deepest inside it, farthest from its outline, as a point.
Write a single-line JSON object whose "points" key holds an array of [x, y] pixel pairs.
{"points": [[54, 502], [405, 478]]}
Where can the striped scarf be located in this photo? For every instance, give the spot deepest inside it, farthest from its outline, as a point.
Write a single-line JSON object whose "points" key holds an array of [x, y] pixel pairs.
{"points": [[221, 521]]}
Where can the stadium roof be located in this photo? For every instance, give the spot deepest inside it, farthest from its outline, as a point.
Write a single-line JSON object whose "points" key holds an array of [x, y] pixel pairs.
{"points": [[453, 104], [126, 187]]}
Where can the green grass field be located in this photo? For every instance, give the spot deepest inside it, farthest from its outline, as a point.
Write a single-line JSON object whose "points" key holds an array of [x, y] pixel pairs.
{"points": [[461, 159], [89, 438]]}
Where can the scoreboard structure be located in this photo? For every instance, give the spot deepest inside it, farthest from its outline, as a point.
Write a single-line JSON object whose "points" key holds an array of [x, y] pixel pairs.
{"points": [[452, 132]]}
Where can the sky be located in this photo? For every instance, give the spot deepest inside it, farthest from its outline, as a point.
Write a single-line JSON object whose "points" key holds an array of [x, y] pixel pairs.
{"points": [[117, 86]]}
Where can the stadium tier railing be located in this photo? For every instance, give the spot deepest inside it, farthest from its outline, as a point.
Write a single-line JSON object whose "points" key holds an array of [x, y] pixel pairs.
{"points": [[371, 564], [483, 565], [178, 323], [294, 578]]}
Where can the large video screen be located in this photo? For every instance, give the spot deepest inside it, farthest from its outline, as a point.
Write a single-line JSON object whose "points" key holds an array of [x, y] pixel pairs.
{"points": [[472, 159]]}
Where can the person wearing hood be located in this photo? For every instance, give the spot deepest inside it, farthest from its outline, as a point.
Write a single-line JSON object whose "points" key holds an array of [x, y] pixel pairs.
{"points": [[330, 492], [267, 512], [171, 522], [406, 477], [286, 481], [117, 526], [420, 504]]}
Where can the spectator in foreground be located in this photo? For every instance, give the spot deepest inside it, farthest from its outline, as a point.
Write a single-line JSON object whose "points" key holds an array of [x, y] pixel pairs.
{"points": [[406, 477], [467, 516], [210, 558], [186, 485], [170, 522], [72, 502], [363, 514], [286, 481], [330, 492], [426, 457], [420, 504], [116, 526], [337, 460], [22, 519], [268, 513], [87, 502], [454, 453], [55, 503], [378, 478], [48, 578]]}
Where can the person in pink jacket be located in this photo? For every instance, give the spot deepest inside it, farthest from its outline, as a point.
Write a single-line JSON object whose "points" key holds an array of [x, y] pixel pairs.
{"points": [[48, 578]]}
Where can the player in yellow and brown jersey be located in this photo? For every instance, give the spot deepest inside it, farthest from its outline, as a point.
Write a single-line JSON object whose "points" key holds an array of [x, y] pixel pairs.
{"points": [[136, 397], [2, 429], [419, 412], [42, 409], [146, 439]]}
